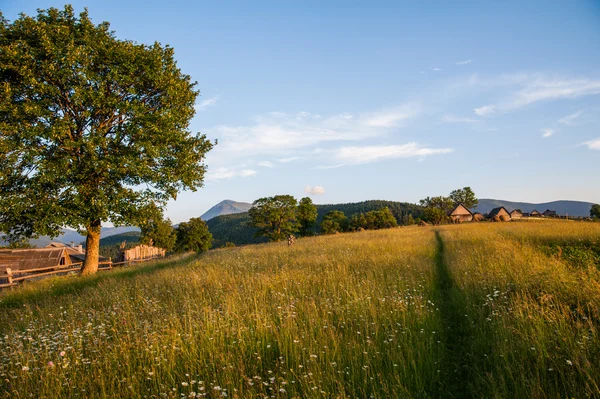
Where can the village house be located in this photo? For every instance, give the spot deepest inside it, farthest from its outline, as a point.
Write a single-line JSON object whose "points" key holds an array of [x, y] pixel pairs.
{"points": [[499, 212], [535, 213], [516, 214], [460, 214], [549, 213], [55, 254]]}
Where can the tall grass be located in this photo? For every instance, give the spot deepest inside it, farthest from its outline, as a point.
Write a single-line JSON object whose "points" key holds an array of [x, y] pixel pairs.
{"points": [[482, 310]]}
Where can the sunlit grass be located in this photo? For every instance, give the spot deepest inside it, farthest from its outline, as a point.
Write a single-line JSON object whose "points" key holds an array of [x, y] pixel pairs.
{"points": [[371, 314]]}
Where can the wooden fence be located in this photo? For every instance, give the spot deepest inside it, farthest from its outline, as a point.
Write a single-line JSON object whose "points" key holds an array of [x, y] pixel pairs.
{"points": [[14, 277]]}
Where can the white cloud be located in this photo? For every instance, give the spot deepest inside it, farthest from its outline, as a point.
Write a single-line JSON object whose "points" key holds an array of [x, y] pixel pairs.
{"points": [[456, 119], [547, 133], [593, 144], [288, 159], [203, 105], [436, 69], [465, 62], [567, 120], [316, 190], [266, 164], [228, 173], [535, 88], [485, 110], [368, 154], [277, 133]]}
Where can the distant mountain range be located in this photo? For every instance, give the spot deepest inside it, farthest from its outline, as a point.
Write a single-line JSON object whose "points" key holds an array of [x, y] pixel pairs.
{"points": [[226, 207], [571, 208], [69, 235]]}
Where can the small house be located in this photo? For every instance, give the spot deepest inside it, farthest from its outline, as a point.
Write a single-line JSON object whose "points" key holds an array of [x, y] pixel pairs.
{"points": [[500, 213], [535, 214], [516, 214], [460, 214], [549, 213]]}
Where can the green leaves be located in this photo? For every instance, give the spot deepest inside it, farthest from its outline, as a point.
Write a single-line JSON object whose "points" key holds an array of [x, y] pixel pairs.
{"points": [[275, 217], [92, 127]]}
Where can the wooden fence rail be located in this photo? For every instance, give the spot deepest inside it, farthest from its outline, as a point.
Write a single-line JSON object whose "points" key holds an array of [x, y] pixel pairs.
{"points": [[13, 277]]}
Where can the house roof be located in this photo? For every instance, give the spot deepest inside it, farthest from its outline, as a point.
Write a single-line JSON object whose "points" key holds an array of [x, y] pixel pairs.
{"points": [[495, 211], [23, 259], [516, 211], [460, 206]]}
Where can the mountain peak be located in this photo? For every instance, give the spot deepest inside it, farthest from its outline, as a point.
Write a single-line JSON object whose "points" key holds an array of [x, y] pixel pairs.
{"points": [[226, 207]]}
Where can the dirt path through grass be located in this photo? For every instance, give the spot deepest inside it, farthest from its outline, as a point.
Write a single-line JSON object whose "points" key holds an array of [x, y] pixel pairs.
{"points": [[456, 335]]}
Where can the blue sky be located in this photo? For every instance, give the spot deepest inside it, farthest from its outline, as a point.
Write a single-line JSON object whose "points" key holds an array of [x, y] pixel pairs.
{"points": [[348, 101]]}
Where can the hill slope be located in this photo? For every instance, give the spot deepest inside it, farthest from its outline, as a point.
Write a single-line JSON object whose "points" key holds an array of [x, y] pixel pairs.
{"points": [[571, 208], [226, 207], [379, 314]]}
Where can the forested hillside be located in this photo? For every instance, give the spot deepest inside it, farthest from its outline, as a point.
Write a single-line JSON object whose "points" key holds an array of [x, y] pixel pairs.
{"points": [[236, 228]]}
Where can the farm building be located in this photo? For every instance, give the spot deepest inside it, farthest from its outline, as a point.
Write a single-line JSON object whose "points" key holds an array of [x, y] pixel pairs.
{"points": [[516, 214], [549, 213], [55, 254], [535, 213], [477, 217], [460, 214], [36, 258], [499, 212], [142, 252]]}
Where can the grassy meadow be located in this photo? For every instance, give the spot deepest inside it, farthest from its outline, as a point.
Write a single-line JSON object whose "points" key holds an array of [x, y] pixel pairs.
{"points": [[490, 310]]}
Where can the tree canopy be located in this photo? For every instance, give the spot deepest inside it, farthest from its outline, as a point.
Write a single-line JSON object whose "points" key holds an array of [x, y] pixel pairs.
{"points": [[158, 231], [93, 129], [193, 236], [306, 215], [464, 196], [595, 211], [274, 217], [334, 222]]}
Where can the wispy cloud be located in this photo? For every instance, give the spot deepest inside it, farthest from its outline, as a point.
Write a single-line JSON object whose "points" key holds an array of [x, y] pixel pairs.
{"points": [[593, 144], [567, 120], [314, 190], [228, 173], [465, 62], [547, 133], [203, 105], [266, 164], [276, 133], [456, 119], [485, 110], [537, 88], [367, 154], [436, 69]]}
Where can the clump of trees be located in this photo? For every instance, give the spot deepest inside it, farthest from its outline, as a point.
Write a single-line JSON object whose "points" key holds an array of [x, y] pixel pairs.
{"points": [[437, 208], [280, 216], [193, 236], [94, 129], [337, 222], [158, 231], [595, 211], [334, 222]]}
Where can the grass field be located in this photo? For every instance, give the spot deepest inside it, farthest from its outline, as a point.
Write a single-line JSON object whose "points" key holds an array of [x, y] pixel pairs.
{"points": [[475, 310]]}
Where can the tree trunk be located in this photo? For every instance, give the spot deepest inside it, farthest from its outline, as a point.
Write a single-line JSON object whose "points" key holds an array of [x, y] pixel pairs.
{"points": [[92, 249]]}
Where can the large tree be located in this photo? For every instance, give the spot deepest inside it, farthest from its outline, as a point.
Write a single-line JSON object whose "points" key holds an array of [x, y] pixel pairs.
{"points": [[193, 236], [306, 215], [464, 196], [93, 129], [275, 217]]}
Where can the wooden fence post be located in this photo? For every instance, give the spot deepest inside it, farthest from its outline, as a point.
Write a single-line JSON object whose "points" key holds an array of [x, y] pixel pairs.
{"points": [[10, 275]]}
